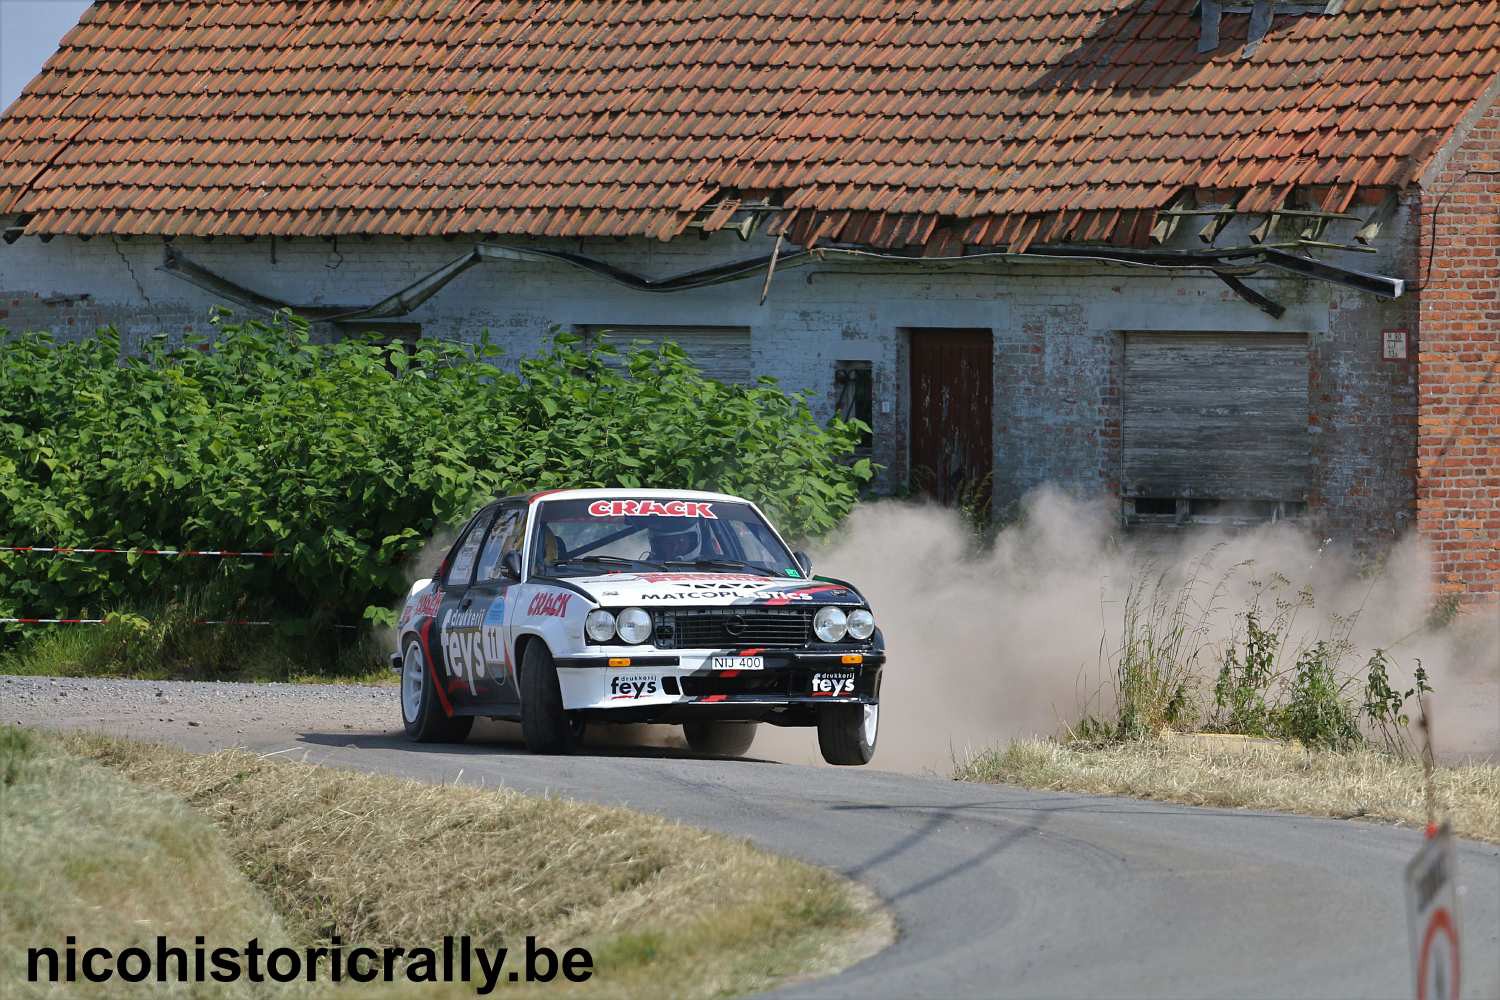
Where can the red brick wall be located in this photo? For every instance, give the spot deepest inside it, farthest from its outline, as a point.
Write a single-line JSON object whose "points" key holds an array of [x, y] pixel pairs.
{"points": [[1458, 444]]}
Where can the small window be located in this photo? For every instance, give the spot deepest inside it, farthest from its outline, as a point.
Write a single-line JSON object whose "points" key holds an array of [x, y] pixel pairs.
{"points": [[461, 572], [489, 559], [854, 389]]}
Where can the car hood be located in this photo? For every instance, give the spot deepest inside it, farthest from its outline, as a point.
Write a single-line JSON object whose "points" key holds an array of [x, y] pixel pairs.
{"points": [[710, 590]]}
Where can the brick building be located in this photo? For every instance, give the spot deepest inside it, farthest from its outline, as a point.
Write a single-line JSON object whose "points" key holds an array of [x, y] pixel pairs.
{"points": [[1220, 261]]}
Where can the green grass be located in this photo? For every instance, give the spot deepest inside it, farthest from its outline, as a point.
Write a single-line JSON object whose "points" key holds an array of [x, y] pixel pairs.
{"points": [[166, 645], [114, 840]]}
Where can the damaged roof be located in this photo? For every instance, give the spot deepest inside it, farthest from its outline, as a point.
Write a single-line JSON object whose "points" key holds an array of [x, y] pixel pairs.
{"points": [[889, 123]]}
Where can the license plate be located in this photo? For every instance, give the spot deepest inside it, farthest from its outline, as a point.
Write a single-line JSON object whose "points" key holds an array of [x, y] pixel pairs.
{"points": [[737, 663]]}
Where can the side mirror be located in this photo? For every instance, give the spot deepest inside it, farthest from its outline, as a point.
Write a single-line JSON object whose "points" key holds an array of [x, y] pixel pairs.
{"points": [[511, 564], [804, 560]]}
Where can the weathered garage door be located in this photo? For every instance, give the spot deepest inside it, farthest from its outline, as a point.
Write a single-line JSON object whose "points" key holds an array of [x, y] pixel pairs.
{"points": [[720, 352], [1216, 416], [952, 393]]}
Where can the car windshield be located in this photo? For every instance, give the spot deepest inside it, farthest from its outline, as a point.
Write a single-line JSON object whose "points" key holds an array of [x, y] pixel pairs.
{"points": [[586, 537]]}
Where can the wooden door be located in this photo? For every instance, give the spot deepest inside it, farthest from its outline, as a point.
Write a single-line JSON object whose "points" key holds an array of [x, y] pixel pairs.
{"points": [[952, 405]]}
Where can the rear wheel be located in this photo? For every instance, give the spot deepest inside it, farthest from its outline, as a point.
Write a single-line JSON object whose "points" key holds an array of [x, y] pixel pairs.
{"points": [[545, 726], [421, 713], [721, 739], [846, 733]]}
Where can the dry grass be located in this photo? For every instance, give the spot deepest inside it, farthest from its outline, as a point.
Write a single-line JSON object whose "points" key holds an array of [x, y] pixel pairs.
{"points": [[664, 909], [1363, 783], [88, 853]]}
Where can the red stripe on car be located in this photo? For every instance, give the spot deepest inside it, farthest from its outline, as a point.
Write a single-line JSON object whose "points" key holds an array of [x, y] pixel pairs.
{"points": [[437, 685]]}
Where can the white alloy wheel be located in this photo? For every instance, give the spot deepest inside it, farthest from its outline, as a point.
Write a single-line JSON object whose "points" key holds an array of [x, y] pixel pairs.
{"points": [[413, 677], [872, 721]]}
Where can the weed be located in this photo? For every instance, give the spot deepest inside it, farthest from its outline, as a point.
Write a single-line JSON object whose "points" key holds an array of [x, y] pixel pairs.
{"points": [[1165, 630], [1315, 711], [1385, 708]]}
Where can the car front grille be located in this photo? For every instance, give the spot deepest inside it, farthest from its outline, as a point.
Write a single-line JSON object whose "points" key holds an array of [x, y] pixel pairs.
{"points": [[735, 627]]}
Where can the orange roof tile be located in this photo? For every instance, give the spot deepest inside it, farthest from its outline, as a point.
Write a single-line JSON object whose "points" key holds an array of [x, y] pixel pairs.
{"points": [[887, 122]]}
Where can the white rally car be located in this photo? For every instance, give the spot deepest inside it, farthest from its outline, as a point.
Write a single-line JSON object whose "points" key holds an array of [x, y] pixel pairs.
{"points": [[570, 607]]}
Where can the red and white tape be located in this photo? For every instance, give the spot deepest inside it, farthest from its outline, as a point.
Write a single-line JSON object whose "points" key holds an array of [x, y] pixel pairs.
{"points": [[53, 621], [106, 621], [68, 550]]}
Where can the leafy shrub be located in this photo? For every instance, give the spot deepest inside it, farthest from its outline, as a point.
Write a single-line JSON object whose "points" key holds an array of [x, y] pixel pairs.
{"points": [[345, 457]]}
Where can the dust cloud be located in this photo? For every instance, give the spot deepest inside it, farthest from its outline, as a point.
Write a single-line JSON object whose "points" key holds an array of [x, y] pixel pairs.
{"points": [[986, 646]]}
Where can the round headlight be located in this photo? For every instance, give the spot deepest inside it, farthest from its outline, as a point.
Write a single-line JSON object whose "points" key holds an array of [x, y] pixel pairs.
{"points": [[861, 624], [829, 624], [634, 625], [600, 625]]}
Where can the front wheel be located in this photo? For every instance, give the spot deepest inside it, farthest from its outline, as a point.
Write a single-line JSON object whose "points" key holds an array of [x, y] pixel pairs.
{"points": [[423, 717], [720, 739], [545, 725], [846, 733]]}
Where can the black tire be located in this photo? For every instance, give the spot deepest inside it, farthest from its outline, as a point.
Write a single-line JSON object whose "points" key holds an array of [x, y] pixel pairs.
{"points": [[545, 726], [421, 712], [843, 736], [721, 739]]}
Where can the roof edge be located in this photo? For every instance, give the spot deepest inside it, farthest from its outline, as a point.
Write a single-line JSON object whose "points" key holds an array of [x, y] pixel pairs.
{"points": [[1459, 134]]}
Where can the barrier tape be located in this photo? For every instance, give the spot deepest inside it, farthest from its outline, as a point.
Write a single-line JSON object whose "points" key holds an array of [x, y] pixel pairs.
{"points": [[106, 621], [66, 550]]}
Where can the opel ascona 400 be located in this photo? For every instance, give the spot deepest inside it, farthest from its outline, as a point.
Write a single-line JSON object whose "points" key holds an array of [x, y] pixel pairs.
{"points": [[572, 607]]}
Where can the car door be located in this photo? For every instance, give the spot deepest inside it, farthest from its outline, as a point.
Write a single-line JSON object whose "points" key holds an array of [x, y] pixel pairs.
{"points": [[458, 621], [490, 590]]}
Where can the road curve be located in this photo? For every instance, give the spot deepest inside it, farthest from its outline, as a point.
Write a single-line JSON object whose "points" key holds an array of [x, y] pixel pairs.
{"points": [[997, 891]]}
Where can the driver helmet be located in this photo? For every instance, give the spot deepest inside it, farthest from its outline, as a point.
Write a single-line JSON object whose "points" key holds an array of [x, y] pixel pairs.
{"points": [[674, 541]]}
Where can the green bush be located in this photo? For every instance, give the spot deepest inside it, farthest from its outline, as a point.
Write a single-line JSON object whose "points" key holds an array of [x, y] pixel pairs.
{"points": [[346, 457]]}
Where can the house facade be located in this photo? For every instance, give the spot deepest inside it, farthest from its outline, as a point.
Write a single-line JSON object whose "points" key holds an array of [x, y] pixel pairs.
{"points": [[1220, 262]]}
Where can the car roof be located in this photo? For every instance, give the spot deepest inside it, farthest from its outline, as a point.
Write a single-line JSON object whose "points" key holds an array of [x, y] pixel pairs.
{"points": [[605, 494]]}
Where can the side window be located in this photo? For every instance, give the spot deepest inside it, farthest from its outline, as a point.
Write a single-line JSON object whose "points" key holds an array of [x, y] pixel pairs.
{"points": [[461, 572], [506, 525], [515, 536]]}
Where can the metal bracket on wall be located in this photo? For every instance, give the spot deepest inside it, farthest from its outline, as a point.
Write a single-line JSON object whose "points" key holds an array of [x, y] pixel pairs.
{"points": [[1266, 305]]}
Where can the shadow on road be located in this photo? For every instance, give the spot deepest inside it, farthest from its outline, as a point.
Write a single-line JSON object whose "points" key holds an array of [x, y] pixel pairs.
{"points": [[491, 739]]}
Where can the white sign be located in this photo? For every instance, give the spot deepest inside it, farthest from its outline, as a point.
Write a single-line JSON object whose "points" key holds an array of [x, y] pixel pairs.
{"points": [[1394, 348], [1432, 917]]}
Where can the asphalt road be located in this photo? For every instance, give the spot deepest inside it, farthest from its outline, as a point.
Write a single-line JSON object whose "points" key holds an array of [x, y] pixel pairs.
{"points": [[997, 891]]}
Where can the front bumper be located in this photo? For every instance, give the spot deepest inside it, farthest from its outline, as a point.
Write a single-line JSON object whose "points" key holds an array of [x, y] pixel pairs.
{"points": [[644, 685]]}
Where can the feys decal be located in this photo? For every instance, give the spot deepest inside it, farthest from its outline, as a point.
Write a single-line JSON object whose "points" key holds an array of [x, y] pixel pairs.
{"points": [[547, 605], [833, 685], [653, 508], [632, 687], [463, 646]]}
